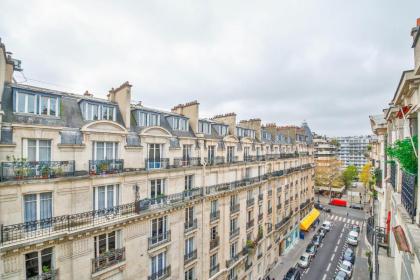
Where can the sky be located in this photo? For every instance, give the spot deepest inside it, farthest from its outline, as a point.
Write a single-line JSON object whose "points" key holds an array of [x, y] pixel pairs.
{"points": [[332, 63]]}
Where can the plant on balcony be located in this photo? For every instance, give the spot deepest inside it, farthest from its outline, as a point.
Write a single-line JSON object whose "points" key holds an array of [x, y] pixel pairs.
{"points": [[45, 171], [19, 166], [404, 153], [250, 244], [46, 269], [103, 167]]}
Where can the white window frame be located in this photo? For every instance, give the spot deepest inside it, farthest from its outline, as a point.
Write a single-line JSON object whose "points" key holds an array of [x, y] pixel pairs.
{"points": [[114, 150], [25, 147], [155, 268], [38, 205], [116, 196]]}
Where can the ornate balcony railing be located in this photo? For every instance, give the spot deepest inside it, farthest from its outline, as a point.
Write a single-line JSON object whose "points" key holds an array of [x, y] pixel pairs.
{"points": [[161, 163], [215, 160], [393, 169], [161, 274], [282, 223], [190, 225], [159, 239], [409, 192], [26, 170], [232, 159], [260, 196], [184, 162], [234, 208], [107, 166], [108, 259], [232, 260], [234, 233], [50, 275], [250, 158], [249, 224], [270, 210], [190, 256], [250, 202], [214, 242], [214, 270], [260, 157], [214, 215], [260, 217]]}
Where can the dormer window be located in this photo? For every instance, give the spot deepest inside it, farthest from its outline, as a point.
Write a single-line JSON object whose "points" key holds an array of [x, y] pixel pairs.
{"points": [[221, 129], [36, 103], [179, 123], [245, 132], [204, 127], [148, 118], [266, 135], [96, 111]]}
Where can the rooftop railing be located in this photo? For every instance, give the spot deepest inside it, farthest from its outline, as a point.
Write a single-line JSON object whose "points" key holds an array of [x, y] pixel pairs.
{"points": [[27, 170]]}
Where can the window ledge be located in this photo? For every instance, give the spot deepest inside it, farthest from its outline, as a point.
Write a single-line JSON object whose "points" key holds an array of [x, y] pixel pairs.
{"points": [[71, 146]]}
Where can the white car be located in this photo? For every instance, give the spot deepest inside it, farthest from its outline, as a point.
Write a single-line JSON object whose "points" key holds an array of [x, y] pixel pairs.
{"points": [[352, 238], [304, 260], [327, 225], [347, 267]]}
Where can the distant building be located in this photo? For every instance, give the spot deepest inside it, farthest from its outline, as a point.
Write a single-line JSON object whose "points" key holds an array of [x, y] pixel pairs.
{"points": [[352, 150]]}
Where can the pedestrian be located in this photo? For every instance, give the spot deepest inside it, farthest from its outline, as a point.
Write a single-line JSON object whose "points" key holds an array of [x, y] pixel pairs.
{"points": [[347, 214]]}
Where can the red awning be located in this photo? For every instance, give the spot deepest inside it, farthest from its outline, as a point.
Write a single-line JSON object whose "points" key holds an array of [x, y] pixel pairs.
{"points": [[403, 111], [400, 239]]}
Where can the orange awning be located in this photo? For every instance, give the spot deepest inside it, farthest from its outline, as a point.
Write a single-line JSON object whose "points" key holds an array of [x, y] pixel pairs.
{"points": [[400, 239]]}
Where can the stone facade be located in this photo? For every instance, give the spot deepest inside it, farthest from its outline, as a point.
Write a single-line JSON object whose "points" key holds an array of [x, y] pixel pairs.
{"points": [[105, 189]]}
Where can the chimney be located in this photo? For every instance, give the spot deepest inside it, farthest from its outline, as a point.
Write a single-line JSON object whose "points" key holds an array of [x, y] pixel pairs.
{"points": [[87, 93], [189, 110], [228, 119], [416, 44], [254, 124], [272, 129], [122, 96]]}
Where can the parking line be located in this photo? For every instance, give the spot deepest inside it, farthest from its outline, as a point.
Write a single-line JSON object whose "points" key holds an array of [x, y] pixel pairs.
{"points": [[332, 257], [335, 250], [328, 267], [325, 276]]}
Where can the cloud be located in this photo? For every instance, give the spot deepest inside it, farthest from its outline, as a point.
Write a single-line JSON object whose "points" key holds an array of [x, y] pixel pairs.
{"points": [[332, 63]]}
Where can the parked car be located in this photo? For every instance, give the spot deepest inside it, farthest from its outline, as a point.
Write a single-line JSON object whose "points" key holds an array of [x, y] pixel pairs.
{"points": [[347, 267], [338, 202], [355, 228], [341, 275], [352, 238], [317, 240], [318, 206], [322, 232], [328, 210], [348, 255], [327, 225], [311, 249], [305, 260], [357, 206], [292, 274]]}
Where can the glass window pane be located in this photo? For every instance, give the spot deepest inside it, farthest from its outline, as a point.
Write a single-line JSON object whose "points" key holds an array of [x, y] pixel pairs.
{"points": [[31, 103], [44, 150], [30, 207], [100, 155], [110, 196], [31, 263], [31, 150], [102, 244], [101, 198], [109, 151], [53, 106], [46, 259], [44, 105], [111, 241], [21, 102], [45, 205]]}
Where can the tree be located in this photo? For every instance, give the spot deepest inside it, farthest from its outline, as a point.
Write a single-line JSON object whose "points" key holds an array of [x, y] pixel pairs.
{"points": [[349, 174], [366, 174], [329, 175]]}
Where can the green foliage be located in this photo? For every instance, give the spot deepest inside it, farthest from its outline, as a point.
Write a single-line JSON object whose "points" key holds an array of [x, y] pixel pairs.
{"points": [[403, 152], [349, 174]]}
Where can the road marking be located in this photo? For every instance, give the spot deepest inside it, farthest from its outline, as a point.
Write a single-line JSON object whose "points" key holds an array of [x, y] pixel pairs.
{"points": [[325, 276], [340, 219], [328, 267], [335, 250], [332, 257]]}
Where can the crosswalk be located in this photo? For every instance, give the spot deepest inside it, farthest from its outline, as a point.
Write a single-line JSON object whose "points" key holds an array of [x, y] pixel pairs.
{"points": [[344, 220]]}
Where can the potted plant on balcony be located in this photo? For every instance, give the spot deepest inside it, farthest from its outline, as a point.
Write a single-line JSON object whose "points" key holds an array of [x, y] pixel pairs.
{"points": [[19, 166], [103, 167], [404, 152], [45, 171]]}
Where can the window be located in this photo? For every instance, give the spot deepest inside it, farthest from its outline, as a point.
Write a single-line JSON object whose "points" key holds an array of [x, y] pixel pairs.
{"points": [[36, 104], [247, 172], [249, 217], [213, 233], [246, 153], [179, 123], [37, 262], [233, 249], [106, 242], [158, 265], [213, 261], [189, 215], [221, 129], [148, 119], [105, 197], [231, 154], [233, 224], [105, 150], [157, 188], [189, 182], [38, 207], [190, 274], [204, 127], [159, 229], [210, 153], [186, 152], [155, 152], [39, 150], [189, 245], [249, 195], [96, 111], [233, 200], [214, 206]]}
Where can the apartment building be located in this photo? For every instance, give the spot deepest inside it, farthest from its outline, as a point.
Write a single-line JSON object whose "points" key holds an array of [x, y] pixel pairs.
{"points": [[325, 151], [395, 225], [96, 188], [352, 150]]}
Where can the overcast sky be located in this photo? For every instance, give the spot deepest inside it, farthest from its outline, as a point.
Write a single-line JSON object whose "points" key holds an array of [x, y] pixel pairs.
{"points": [[329, 62]]}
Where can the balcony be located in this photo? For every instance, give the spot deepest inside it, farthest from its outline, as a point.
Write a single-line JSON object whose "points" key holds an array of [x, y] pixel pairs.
{"points": [[393, 169], [260, 196], [106, 260], [249, 158], [260, 157], [260, 217], [190, 225], [248, 265], [159, 239], [215, 160], [185, 162], [152, 164], [214, 242], [234, 233], [214, 270], [232, 260], [249, 224], [161, 274], [110, 166], [409, 193], [190, 256], [51, 275], [232, 159], [270, 210], [250, 202], [234, 208], [214, 216], [31, 170], [269, 228]]}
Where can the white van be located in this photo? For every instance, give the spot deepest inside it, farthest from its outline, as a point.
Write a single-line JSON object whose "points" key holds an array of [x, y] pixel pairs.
{"points": [[352, 238]]}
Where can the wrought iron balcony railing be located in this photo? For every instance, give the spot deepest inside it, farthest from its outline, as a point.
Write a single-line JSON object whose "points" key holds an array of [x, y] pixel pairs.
{"points": [[260, 217], [249, 224], [250, 202], [234, 208], [159, 239], [27, 170], [393, 169], [213, 270], [215, 215], [232, 159], [234, 233], [161, 163], [190, 256], [50, 275], [108, 259], [214, 242], [409, 193], [232, 260], [190, 225], [184, 162], [107, 166], [215, 160], [161, 274]]}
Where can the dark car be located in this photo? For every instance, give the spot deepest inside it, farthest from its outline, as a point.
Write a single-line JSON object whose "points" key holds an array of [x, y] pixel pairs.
{"points": [[348, 255], [341, 275], [292, 274], [357, 206], [318, 206], [311, 249], [328, 210], [316, 240]]}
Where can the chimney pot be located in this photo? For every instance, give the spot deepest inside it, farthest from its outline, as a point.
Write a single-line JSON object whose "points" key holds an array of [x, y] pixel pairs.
{"points": [[418, 22]]}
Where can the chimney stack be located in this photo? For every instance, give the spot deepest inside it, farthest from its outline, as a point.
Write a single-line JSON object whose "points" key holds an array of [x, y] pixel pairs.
{"points": [[122, 96], [415, 33], [228, 119], [190, 110], [254, 124]]}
